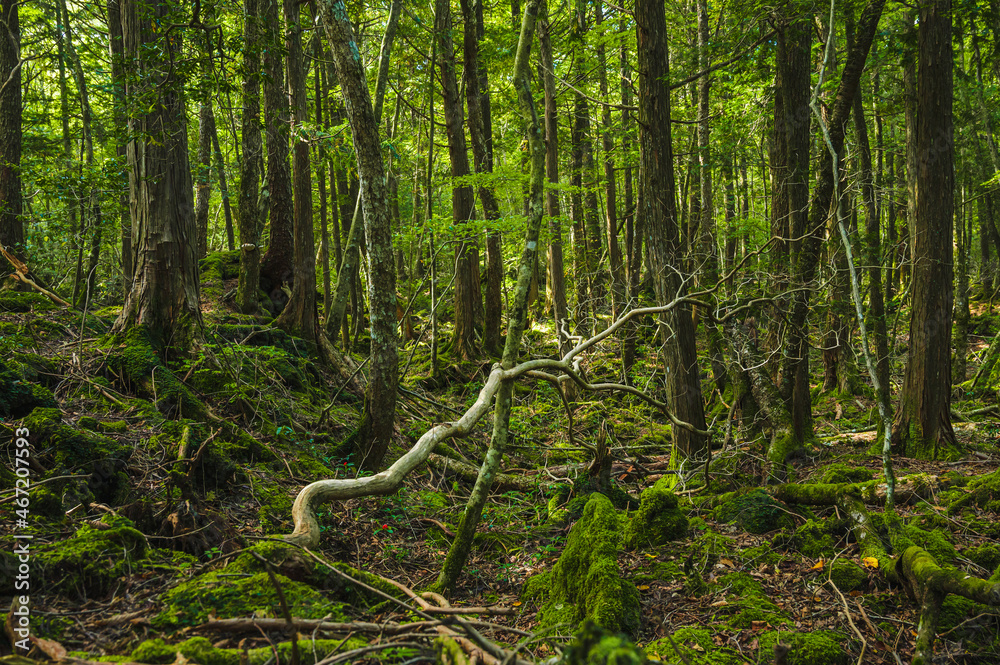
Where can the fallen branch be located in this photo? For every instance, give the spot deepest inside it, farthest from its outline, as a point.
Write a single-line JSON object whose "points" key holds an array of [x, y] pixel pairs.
{"points": [[21, 273], [501, 483]]}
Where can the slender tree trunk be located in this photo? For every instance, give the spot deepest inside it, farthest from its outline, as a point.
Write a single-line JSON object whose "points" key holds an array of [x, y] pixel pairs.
{"points": [[467, 278], [321, 93], [220, 166], [11, 222], [556, 270], [253, 160], [658, 213], [117, 53], [459, 552], [300, 316], [912, 158], [380, 398], [633, 226], [922, 428], [203, 172], [480, 131], [610, 193], [276, 265]]}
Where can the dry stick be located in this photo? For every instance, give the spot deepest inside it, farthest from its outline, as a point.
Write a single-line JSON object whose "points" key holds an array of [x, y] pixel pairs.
{"points": [[847, 613], [21, 273], [284, 606]]}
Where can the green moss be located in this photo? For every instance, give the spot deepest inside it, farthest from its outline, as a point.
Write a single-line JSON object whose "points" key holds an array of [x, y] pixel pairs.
{"points": [[94, 425], [756, 512], [200, 650], [696, 646], [842, 473], [593, 645], [658, 519], [819, 647], [46, 503], [230, 595], [761, 554], [68, 450], [848, 575], [816, 538], [90, 563], [586, 583], [35, 368], [986, 555], [748, 603], [220, 265], [24, 301], [18, 397], [934, 542], [536, 587]]}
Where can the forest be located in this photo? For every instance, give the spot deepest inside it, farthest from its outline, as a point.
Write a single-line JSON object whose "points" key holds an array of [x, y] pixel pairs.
{"points": [[530, 332]]}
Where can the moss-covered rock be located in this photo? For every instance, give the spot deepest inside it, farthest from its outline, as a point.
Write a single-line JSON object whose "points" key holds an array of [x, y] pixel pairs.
{"points": [[658, 520], [842, 473], [748, 603], [693, 646], [594, 645], [35, 368], [220, 265], [756, 512], [90, 563], [935, 542], [847, 575], [986, 555], [586, 583], [228, 595], [19, 397], [819, 647], [95, 425], [200, 650], [66, 450], [24, 301]]}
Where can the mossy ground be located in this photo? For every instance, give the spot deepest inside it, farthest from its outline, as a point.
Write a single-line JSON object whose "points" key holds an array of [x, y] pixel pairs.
{"points": [[737, 573]]}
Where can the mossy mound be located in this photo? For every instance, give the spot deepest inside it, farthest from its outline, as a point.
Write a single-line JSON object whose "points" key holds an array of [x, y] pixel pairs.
{"points": [[815, 539], [19, 397], [24, 301], [586, 583], [658, 519], [228, 595], [594, 645], [95, 425], [755, 512], [748, 603], [848, 575], [90, 563], [842, 473], [983, 491], [200, 650], [220, 265], [35, 368], [819, 647], [934, 542], [66, 450], [986, 555], [693, 646]]}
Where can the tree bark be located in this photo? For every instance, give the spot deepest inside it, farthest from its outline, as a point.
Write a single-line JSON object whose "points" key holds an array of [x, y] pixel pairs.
{"points": [[117, 53], [276, 265], [253, 159], [922, 428], [658, 215], [610, 190], [11, 222], [203, 178], [165, 291], [380, 398]]}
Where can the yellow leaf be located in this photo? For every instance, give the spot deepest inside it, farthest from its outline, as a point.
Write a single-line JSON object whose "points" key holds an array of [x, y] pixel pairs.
{"points": [[516, 603], [651, 556], [727, 562], [818, 566], [870, 562], [642, 587]]}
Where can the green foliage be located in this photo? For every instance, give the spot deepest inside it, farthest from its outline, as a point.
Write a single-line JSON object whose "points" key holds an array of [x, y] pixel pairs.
{"points": [[88, 564], [693, 646], [819, 647], [847, 575], [842, 473], [200, 650], [593, 645], [18, 397]]}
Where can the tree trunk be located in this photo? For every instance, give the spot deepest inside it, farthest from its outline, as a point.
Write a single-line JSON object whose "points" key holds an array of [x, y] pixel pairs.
{"points": [[11, 222], [253, 159], [380, 398], [610, 193], [165, 291], [220, 166], [203, 178], [633, 226], [117, 52], [658, 213], [300, 316], [276, 266], [459, 552], [922, 428], [480, 131], [796, 347], [467, 277]]}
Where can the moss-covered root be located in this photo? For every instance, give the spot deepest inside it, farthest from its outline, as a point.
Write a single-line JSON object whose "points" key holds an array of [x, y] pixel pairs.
{"points": [[585, 583], [929, 584], [658, 519]]}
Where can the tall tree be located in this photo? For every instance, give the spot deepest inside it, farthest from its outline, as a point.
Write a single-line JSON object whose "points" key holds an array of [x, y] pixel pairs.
{"points": [[380, 397], [165, 289], [250, 221], [467, 276], [117, 53], [658, 214], [300, 315], [922, 427], [11, 222], [276, 266]]}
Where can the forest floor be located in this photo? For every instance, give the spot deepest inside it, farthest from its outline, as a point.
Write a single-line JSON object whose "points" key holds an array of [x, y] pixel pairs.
{"points": [[144, 523]]}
